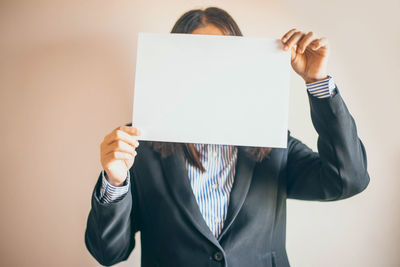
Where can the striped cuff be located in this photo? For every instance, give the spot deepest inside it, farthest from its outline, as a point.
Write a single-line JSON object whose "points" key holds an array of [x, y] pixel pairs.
{"points": [[322, 89], [110, 193]]}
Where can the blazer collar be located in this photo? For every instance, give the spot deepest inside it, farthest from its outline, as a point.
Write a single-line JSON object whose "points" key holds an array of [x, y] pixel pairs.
{"points": [[243, 177], [174, 167]]}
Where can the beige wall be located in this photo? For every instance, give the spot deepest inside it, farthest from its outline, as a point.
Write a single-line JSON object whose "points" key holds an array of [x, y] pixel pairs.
{"points": [[67, 74]]}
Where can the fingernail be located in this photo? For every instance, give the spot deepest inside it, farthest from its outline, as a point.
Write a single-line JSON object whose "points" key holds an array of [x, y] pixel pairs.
{"points": [[284, 40]]}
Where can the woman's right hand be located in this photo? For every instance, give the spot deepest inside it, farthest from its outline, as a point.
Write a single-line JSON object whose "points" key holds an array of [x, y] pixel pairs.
{"points": [[117, 153]]}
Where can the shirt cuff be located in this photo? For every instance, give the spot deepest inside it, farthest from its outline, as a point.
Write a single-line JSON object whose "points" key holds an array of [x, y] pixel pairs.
{"points": [[110, 193], [322, 89]]}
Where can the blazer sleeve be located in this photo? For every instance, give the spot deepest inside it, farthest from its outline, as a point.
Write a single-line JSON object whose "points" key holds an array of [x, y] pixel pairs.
{"points": [[339, 169], [111, 227]]}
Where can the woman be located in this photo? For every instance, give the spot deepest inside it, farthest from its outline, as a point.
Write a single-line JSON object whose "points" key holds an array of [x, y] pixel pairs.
{"points": [[219, 205]]}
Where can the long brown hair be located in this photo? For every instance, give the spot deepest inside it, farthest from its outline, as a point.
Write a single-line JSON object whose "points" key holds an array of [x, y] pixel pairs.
{"points": [[187, 23]]}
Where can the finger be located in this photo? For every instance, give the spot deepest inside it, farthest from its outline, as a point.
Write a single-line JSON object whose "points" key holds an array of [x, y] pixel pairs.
{"points": [[287, 35], [118, 155], [304, 42], [129, 129], [293, 40], [318, 43], [118, 146], [121, 135]]}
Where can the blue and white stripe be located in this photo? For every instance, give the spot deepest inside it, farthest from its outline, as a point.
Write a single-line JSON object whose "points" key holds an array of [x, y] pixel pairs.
{"points": [[213, 187], [322, 89], [110, 193]]}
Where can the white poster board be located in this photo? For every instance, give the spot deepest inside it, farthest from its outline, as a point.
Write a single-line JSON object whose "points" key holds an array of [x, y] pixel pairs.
{"points": [[211, 89]]}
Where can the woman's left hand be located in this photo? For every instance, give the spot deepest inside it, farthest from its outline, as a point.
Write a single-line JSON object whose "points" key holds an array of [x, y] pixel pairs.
{"points": [[309, 55]]}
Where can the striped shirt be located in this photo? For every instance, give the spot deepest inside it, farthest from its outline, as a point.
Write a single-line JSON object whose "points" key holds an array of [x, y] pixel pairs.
{"points": [[213, 187]]}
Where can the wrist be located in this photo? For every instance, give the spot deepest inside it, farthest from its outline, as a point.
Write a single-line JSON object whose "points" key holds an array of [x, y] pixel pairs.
{"points": [[114, 182], [313, 79]]}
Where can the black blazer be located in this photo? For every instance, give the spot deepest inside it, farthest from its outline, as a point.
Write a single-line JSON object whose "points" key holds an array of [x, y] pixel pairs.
{"points": [[161, 205]]}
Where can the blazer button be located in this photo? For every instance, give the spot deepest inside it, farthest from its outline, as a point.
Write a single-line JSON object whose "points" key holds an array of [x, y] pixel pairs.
{"points": [[218, 256]]}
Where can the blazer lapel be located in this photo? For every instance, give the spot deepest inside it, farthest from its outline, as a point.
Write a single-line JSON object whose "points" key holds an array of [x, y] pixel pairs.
{"points": [[174, 167], [240, 188]]}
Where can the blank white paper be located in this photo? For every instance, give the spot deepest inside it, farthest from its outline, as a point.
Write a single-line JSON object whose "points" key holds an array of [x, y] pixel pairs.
{"points": [[212, 89]]}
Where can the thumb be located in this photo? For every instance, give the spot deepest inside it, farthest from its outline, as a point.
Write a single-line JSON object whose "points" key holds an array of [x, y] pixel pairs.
{"points": [[293, 54]]}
